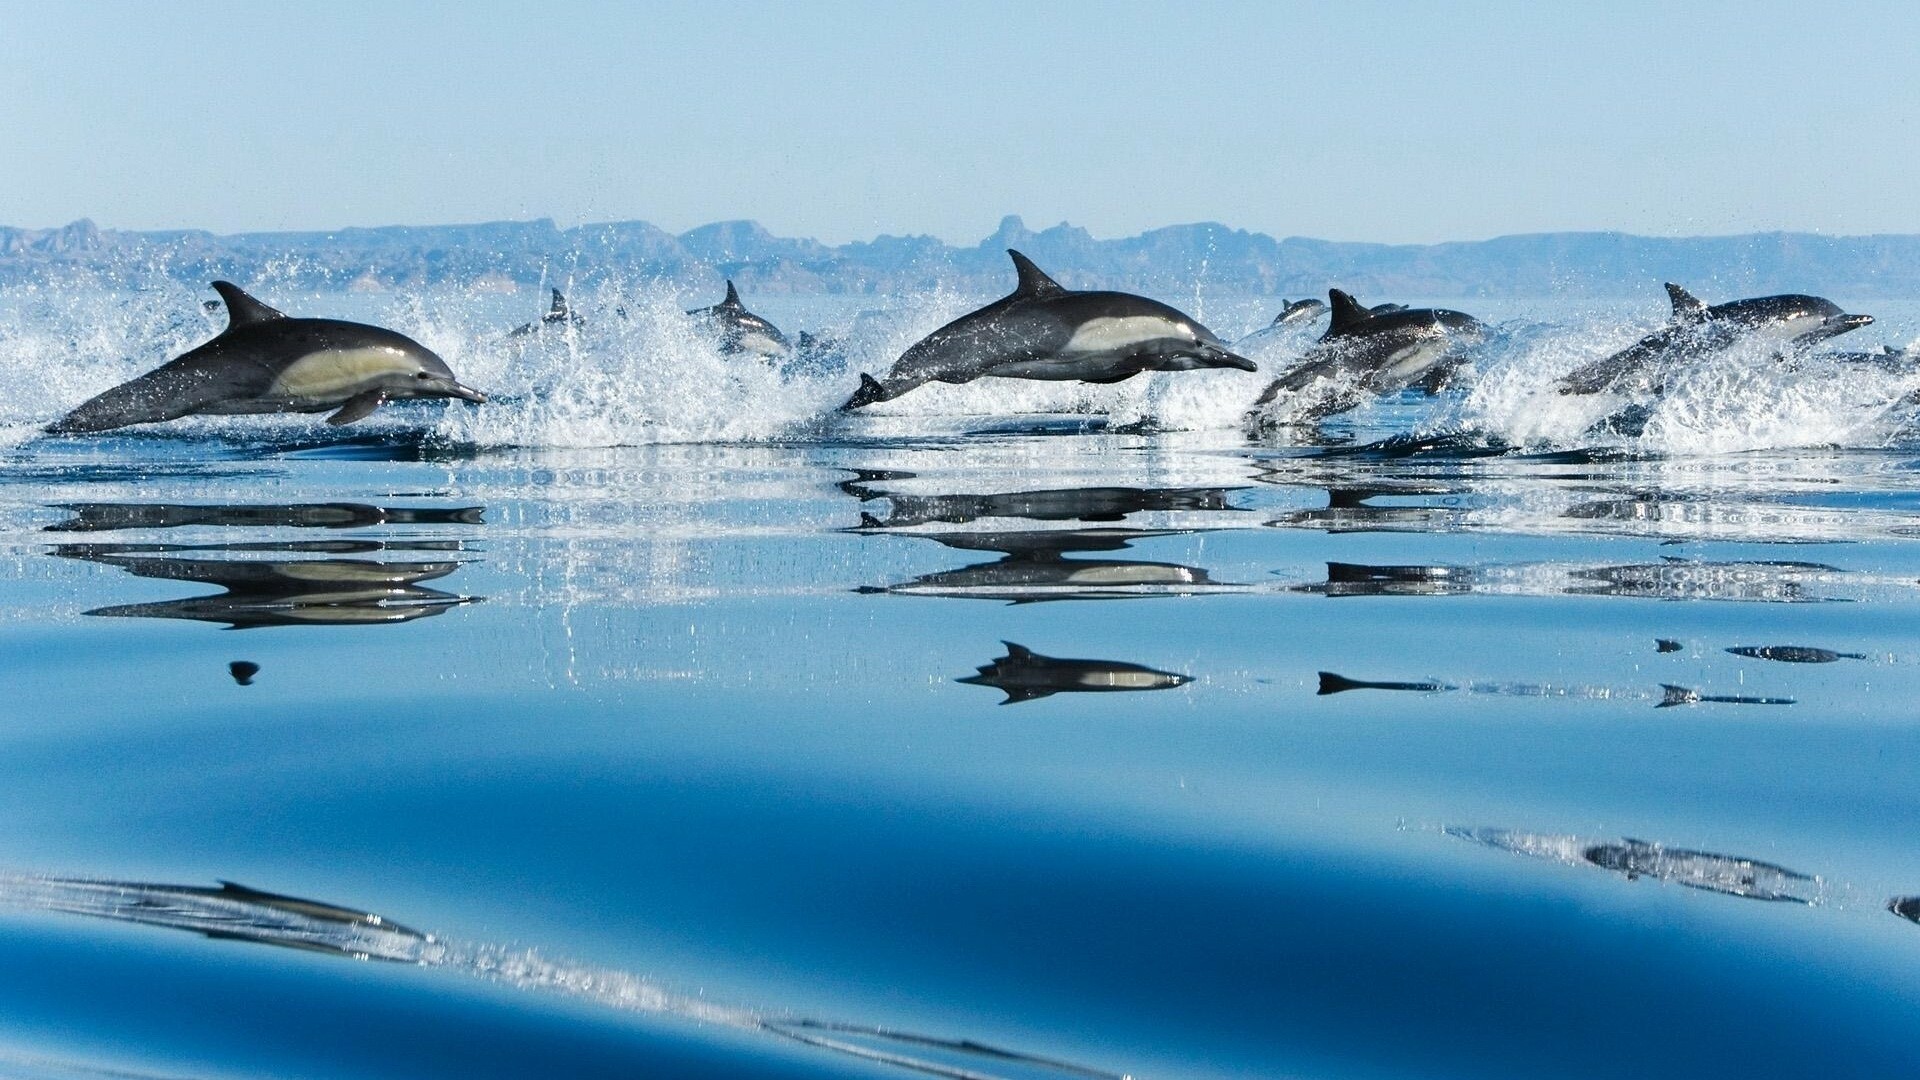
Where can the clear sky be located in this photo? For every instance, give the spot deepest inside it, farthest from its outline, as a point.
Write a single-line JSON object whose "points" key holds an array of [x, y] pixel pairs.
{"points": [[1391, 122]]}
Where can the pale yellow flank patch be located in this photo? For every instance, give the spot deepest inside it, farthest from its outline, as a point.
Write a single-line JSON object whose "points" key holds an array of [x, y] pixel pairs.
{"points": [[1121, 334], [337, 374]]}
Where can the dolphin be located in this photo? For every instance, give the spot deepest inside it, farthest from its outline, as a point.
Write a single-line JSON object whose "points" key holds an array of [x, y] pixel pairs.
{"points": [[1025, 675], [1794, 654], [1043, 330], [559, 313], [1791, 321], [741, 331], [265, 362], [1366, 352]]}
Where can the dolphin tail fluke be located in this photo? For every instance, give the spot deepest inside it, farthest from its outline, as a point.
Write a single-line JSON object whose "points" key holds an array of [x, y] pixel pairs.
{"points": [[1676, 695], [1336, 684], [870, 392]]}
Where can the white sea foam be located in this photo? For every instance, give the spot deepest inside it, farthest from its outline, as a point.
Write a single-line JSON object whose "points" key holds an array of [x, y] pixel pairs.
{"points": [[637, 371]]}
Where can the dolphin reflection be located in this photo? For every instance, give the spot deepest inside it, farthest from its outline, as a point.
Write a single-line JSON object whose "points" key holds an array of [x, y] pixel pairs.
{"points": [[238, 913], [328, 591], [1025, 675], [103, 517], [1094, 504], [1034, 568]]}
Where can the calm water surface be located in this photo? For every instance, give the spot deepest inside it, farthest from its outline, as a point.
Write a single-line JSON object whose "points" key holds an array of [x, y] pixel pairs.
{"points": [[1159, 755]]}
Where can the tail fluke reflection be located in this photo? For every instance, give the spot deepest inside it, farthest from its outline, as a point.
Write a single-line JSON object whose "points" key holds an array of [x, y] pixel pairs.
{"points": [[1727, 874], [238, 913], [1025, 675], [1340, 684]]}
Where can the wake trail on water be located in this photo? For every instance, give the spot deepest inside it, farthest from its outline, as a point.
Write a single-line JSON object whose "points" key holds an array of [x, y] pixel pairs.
{"points": [[635, 371], [235, 912]]}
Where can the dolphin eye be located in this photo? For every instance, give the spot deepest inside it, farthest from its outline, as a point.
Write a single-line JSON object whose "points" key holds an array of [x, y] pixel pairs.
{"points": [[421, 375]]}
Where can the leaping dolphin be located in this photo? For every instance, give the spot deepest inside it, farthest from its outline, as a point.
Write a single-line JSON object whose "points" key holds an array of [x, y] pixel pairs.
{"points": [[1365, 352], [559, 313], [265, 362], [741, 331], [1043, 330], [1792, 321]]}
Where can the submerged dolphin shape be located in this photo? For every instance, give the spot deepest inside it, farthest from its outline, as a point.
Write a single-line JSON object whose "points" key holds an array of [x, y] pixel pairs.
{"points": [[1025, 675], [1794, 654], [1043, 330], [1730, 875], [1792, 321], [1366, 352], [741, 331], [558, 313], [265, 362]]}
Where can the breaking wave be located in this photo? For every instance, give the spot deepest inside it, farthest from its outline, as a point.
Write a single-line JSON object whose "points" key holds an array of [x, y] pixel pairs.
{"points": [[636, 371]]}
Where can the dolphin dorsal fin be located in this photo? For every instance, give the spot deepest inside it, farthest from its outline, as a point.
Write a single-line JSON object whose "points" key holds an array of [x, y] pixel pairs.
{"points": [[1017, 652], [1033, 280], [733, 297], [243, 310], [1687, 308], [1347, 312], [559, 310]]}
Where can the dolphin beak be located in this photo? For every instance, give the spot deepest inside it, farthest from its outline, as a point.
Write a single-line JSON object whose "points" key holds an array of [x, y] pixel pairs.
{"points": [[465, 393], [1844, 323], [1223, 358]]}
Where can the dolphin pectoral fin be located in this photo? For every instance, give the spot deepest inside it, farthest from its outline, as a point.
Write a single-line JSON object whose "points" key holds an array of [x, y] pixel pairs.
{"points": [[1106, 380], [1024, 693], [358, 407]]}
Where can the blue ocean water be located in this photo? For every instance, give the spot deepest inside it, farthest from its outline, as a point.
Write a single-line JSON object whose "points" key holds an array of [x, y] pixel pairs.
{"points": [[672, 726]]}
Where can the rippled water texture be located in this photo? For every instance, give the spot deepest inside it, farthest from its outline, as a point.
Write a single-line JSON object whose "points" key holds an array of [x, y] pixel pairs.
{"points": [[651, 721]]}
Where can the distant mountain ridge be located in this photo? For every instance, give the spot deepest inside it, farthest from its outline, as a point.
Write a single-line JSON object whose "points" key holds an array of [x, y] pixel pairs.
{"points": [[1170, 262]]}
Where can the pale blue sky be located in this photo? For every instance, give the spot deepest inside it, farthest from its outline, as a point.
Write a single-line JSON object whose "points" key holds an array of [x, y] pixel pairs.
{"points": [[1392, 122]]}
